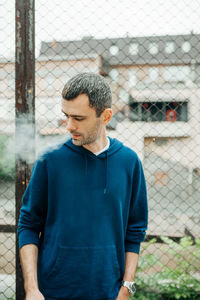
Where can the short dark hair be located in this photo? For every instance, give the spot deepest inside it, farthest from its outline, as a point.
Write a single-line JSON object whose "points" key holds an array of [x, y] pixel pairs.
{"points": [[94, 86]]}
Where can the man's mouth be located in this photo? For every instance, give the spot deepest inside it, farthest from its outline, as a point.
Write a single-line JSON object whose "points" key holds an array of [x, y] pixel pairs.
{"points": [[74, 135]]}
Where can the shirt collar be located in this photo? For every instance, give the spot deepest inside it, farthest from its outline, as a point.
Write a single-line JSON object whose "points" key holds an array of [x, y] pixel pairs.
{"points": [[105, 148]]}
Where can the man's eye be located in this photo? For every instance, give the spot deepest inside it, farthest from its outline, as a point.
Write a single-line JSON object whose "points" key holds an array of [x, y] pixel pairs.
{"points": [[79, 119], [64, 115]]}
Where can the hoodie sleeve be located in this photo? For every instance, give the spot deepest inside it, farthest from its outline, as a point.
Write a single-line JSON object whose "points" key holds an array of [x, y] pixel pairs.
{"points": [[34, 206], [138, 212]]}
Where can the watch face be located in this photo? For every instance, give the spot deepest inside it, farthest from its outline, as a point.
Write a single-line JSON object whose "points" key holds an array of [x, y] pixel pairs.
{"points": [[133, 288]]}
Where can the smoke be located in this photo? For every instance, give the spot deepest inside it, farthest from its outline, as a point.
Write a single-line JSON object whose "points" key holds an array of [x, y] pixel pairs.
{"points": [[29, 144], [24, 142], [24, 139], [49, 143]]}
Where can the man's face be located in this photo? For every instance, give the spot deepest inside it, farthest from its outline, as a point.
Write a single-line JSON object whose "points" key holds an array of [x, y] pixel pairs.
{"points": [[82, 122]]}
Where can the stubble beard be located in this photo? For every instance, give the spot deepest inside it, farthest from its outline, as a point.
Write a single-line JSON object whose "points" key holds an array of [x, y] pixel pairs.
{"points": [[91, 137]]}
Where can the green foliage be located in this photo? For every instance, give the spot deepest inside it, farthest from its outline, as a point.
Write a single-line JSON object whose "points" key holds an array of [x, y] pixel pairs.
{"points": [[171, 283], [7, 157], [179, 282]]}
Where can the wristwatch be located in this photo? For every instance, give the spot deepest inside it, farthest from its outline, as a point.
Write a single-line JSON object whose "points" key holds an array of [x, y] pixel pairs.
{"points": [[130, 286]]}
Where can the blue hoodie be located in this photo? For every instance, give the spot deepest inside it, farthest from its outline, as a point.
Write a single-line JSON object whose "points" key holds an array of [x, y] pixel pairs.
{"points": [[84, 212]]}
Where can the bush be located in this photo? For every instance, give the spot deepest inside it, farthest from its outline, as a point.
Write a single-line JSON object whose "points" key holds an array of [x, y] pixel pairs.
{"points": [[180, 282]]}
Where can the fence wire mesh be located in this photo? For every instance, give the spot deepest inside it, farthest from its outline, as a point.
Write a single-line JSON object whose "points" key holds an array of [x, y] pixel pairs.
{"points": [[7, 156], [148, 51]]}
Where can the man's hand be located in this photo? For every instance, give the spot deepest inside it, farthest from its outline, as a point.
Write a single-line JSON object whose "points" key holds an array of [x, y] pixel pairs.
{"points": [[34, 295], [123, 294]]}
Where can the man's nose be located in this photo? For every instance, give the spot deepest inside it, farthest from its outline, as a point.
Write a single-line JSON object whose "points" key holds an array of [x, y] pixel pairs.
{"points": [[71, 125]]}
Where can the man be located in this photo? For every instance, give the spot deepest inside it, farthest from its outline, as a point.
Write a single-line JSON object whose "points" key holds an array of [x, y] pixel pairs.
{"points": [[84, 212]]}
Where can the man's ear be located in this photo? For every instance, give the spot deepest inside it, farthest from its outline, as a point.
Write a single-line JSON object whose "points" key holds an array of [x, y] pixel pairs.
{"points": [[107, 115]]}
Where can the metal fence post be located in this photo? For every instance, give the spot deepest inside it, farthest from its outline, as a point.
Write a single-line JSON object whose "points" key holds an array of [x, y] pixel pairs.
{"points": [[24, 106]]}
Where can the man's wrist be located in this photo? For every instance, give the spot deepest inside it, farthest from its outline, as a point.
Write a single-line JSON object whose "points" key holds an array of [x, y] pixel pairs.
{"points": [[130, 285], [30, 287], [125, 291]]}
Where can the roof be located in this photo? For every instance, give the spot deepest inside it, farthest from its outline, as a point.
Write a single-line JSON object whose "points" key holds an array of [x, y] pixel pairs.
{"points": [[76, 56], [123, 56]]}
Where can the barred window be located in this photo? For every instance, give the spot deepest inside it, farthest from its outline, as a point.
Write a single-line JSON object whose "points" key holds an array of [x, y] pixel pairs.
{"points": [[159, 111]]}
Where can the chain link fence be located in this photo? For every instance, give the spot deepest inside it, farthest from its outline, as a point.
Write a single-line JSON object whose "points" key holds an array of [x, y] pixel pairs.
{"points": [[149, 53], [7, 152]]}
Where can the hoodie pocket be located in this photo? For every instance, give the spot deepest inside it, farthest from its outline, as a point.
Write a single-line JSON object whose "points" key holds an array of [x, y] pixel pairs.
{"points": [[81, 271]]}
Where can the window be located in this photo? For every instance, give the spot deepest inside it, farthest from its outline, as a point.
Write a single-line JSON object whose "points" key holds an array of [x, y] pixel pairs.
{"points": [[132, 77], [169, 48], [176, 73], [153, 48], [114, 75], [114, 50], [153, 74], [186, 47], [158, 111], [133, 49], [161, 141], [135, 111], [152, 112]]}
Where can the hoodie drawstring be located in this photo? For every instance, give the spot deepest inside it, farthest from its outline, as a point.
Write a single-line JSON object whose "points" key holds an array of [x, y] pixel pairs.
{"points": [[115, 146], [106, 169]]}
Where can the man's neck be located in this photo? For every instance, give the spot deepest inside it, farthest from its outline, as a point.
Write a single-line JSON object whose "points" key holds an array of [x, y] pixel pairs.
{"points": [[99, 144]]}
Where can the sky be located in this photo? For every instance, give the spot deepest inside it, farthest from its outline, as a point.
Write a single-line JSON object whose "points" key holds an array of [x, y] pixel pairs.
{"points": [[71, 20]]}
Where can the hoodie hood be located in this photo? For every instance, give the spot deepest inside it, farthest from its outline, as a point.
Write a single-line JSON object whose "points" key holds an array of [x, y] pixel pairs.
{"points": [[115, 146], [87, 155]]}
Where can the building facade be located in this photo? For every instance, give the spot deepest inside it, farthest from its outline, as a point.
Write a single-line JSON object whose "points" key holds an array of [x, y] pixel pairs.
{"points": [[155, 83], [156, 86]]}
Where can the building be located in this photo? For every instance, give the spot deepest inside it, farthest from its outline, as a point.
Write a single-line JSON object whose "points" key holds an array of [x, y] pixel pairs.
{"points": [[156, 101], [156, 85], [155, 82]]}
